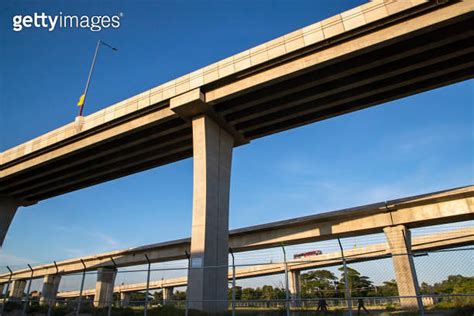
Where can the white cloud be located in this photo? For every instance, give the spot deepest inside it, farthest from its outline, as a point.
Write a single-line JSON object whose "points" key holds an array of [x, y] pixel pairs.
{"points": [[14, 261]]}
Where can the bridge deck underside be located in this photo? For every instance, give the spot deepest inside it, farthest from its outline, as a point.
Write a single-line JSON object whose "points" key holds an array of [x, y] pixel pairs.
{"points": [[424, 60]]}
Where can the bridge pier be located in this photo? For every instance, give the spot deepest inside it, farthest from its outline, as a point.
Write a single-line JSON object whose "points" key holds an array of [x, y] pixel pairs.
{"points": [[212, 159], [207, 277], [294, 286], [8, 209], [167, 295], [50, 289], [104, 287], [17, 291], [124, 299], [399, 241]]}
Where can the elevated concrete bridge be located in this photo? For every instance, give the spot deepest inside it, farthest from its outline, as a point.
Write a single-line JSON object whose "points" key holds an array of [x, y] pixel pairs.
{"points": [[394, 218], [438, 241], [374, 53], [448, 206]]}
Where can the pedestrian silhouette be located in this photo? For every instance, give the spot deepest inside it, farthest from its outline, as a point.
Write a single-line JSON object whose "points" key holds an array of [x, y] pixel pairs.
{"points": [[360, 305], [322, 305]]}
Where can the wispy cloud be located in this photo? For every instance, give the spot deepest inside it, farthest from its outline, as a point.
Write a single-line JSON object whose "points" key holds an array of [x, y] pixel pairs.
{"points": [[104, 238], [89, 242], [11, 260]]}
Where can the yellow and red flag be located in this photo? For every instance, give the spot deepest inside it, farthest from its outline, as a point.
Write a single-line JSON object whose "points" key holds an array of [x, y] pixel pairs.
{"points": [[81, 100]]}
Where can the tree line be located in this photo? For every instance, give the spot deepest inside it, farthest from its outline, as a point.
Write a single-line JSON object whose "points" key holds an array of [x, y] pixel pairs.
{"points": [[326, 284]]}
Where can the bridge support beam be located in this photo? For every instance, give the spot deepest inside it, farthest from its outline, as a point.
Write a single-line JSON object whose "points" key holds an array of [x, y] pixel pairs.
{"points": [[399, 241], [210, 229], [124, 299], [294, 286], [213, 141], [1, 288], [104, 287], [17, 290], [8, 209], [50, 289], [167, 294]]}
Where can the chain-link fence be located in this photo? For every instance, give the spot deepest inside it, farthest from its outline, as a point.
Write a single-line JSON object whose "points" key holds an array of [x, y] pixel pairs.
{"points": [[426, 271]]}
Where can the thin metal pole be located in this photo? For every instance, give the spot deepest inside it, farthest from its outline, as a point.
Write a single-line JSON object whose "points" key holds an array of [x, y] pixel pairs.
{"points": [[145, 311], [162, 293], [27, 298], [111, 299], [233, 281], [99, 42], [346, 280], [287, 294], [89, 78], [49, 309], [7, 291], [50, 305], [79, 300], [186, 311]]}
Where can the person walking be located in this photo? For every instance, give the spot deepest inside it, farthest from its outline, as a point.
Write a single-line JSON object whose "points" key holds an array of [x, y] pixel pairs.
{"points": [[360, 305]]}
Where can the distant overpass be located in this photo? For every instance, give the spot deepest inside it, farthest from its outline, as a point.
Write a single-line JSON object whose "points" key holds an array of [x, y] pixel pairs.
{"points": [[418, 211], [371, 54], [393, 218], [444, 240]]}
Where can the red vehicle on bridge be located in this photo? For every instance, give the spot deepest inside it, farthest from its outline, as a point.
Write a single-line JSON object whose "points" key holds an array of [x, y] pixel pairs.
{"points": [[307, 254]]}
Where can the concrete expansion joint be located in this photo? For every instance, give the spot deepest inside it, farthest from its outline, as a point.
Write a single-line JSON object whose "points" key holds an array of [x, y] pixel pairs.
{"points": [[192, 104]]}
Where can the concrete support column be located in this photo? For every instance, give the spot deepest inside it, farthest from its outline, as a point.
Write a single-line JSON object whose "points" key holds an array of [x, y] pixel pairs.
{"points": [[294, 285], [399, 241], [8, 209], [213, 140], [17, 290], [50, 289], [167, 294], [212, 146], [124, 299], [104, 287]]}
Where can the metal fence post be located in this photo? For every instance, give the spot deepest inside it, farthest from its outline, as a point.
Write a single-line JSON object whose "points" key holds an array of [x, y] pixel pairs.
{"points": [[145, 311], [111, 300], [27, 298], [54, 301], [79, 300], [187, 287], [233, 281], [7, 291], [346, 280], [162, 292], [287, 294]]}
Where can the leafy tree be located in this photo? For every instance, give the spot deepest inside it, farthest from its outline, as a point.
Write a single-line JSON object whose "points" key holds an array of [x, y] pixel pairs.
{"points": [[357, 282], [455, 284], [158, 296], [425, 288], [249, 293], [179, 295], [388, 288], [315, 283], [238, 293], [267, 292]]}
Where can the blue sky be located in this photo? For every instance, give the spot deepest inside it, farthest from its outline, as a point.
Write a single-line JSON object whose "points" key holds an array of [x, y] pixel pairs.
{"points": [[410, 146]]}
